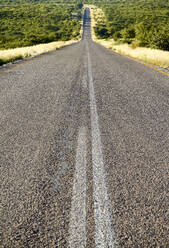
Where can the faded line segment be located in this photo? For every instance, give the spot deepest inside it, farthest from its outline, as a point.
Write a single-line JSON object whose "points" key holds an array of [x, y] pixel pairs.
{"points": [[77, 225], [104, 234]]}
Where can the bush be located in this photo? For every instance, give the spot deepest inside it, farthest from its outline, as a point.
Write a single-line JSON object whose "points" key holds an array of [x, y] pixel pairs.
{"points": [[101, 31], [128, 33], [161, 40], [117, 35], [143, 33]]}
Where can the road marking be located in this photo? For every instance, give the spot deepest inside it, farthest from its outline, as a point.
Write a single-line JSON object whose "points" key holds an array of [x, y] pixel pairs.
{"points": [[84, 81], [104, 234], [77, 225], [152, 67]]}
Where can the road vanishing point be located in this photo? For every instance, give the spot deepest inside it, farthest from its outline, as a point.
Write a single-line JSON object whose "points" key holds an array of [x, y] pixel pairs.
{"points": [[84, 150]]}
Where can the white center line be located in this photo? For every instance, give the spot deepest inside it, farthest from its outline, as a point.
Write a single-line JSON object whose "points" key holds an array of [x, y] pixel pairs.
{"points": [[104, 234], [77, 225], [84, 81]]}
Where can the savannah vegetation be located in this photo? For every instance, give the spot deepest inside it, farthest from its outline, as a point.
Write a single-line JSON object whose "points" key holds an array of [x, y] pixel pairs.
{"points": [[142, 23], [29, 22], [127, 47]]}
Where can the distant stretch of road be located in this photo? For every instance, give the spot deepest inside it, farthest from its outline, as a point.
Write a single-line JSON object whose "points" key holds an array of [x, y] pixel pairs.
{"points": [[84, 150]]}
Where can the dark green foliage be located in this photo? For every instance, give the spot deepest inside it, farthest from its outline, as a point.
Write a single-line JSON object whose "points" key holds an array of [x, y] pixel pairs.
{"points": [[143, 31], [117, 35], [101, 31], [145, 21], [161, 39], [128, 33], [26, 24]]}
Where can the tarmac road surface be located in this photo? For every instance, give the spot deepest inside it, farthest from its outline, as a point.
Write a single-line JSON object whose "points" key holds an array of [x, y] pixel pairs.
{"points": [[84, 150]]}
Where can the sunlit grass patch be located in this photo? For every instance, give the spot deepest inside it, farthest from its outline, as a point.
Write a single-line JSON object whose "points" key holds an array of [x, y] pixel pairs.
{"points": [[5, 60], [148, 55]]}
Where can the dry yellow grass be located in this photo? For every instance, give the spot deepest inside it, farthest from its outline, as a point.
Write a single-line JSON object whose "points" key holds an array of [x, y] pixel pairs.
{"points": [[31, 51], [148, 55]]}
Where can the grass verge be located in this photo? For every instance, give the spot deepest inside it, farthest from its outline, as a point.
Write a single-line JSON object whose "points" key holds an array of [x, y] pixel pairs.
{"points": [[152, 56], [11, 55]]}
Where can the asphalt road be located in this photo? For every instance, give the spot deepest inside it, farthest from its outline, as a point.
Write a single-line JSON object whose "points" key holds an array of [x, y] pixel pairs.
{"points": [[84, 150]]}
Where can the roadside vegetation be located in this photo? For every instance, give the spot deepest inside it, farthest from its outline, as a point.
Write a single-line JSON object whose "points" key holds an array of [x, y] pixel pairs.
{"points": [[140, 23], [28, 24], [134, 29], [29, 28]]}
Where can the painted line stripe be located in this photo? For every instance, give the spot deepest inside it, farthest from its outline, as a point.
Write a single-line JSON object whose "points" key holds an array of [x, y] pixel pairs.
{"points": [[156, 69], [77, 225], [104, 234], [84, 81]]}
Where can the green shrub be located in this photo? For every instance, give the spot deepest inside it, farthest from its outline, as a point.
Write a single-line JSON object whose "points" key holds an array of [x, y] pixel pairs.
{"points": [[161, 40], [117, 35], [128, 33], [143, 33], [101, 31]]}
